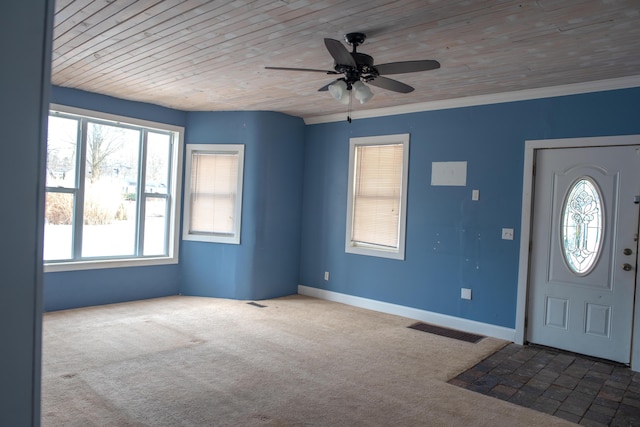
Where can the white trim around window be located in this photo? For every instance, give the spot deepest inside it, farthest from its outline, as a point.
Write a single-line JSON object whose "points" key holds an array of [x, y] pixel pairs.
{"points": [[377, 196], [213, 193], [71, 252]]}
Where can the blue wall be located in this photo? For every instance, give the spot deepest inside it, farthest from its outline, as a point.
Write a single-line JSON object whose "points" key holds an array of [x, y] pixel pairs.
{"points": [[72, 289], [452, 242], [25, 46], [294, 206], [121, 107], [265, 263]]}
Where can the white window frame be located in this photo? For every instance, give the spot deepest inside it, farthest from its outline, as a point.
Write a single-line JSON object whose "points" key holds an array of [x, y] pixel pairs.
{"points": [[354, 247], [174, 196], [234, 237]]}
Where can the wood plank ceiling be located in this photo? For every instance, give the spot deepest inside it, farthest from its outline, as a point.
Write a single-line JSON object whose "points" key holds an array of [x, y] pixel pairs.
{"points": [[210, 55]]}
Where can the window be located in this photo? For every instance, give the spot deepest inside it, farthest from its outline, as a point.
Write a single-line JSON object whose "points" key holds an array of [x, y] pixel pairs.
{"points": [[213, 200], [582, 226], [112, 185], [377, 196]]}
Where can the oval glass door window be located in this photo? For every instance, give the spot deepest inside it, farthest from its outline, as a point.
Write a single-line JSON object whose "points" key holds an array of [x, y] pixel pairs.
{"points": [[582, 226]]}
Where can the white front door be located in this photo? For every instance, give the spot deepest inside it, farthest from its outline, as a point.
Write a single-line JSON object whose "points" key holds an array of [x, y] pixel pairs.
{"points": [[584, 250]]}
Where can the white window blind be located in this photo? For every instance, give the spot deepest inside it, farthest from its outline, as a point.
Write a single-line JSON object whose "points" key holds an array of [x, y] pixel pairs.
{"points": [[214, 179], [213, 203], [377, 195]]}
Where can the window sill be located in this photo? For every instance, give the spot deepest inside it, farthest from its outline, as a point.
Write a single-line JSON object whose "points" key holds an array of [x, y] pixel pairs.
{"points": [[374, 252], [108, 263], [207, 238]]}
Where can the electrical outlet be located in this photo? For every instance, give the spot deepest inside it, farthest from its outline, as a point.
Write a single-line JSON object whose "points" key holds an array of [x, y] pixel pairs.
{"points": [[465, 293], [326, 275], [507, 234], [475, 195]]}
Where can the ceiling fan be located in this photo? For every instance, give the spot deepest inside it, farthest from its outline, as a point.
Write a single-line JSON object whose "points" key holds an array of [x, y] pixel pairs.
{"points": [[358, 68]]}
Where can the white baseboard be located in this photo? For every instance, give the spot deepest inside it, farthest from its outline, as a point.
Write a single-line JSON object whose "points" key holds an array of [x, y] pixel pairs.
{"points": [[412, 313]]}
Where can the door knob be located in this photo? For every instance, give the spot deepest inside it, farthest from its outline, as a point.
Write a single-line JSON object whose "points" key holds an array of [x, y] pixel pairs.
{"points": [[627, 251], [626, 266]]}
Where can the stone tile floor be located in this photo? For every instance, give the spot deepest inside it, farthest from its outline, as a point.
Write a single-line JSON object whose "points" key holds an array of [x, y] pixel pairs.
{"points": [[577, 388]]}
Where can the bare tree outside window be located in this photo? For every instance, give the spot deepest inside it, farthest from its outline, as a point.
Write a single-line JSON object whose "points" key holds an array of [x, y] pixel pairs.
{"points": [[102, 142]]}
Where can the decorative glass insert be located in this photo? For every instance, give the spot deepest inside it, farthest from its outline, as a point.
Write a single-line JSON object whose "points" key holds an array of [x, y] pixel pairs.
{"points": [[582, 226]]}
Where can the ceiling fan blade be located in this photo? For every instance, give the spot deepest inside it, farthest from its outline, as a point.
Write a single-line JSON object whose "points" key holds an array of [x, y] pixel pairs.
{"points": [[390, 84], [339, 53], [300, 69], [407, 67]]}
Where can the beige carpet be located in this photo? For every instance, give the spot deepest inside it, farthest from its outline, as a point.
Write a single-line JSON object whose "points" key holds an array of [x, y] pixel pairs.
{"points": [[300, 361]]}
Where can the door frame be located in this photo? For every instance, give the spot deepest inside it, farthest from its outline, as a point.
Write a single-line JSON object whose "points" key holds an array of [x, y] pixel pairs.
{"points": [[526, 223]]}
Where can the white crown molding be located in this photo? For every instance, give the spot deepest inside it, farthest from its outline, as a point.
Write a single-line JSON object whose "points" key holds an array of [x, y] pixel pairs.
{"points": [[444, 320], [496, 98]]}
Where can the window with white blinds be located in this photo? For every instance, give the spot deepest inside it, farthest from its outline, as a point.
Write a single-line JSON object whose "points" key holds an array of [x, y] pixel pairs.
{"points": [[377, 197], [213, 199]]}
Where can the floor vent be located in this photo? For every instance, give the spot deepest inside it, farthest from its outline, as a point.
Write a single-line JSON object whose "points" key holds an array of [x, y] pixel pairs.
{"points": [[446, 332], [255, 304]]}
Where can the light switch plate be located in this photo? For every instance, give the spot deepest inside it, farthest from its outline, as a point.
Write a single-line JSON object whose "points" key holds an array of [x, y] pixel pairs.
{"points": [[475, 195], [465, 293]]}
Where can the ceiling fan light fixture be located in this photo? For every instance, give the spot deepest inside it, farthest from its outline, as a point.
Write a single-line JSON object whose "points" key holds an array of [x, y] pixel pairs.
{"points": [[362, 92], [338, 90]]}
